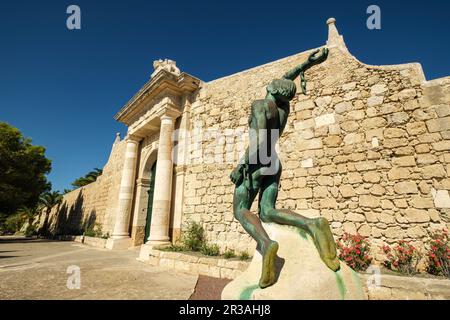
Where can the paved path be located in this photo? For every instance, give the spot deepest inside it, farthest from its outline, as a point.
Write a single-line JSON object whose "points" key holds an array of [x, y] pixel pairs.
{"points": [[37, 269]]}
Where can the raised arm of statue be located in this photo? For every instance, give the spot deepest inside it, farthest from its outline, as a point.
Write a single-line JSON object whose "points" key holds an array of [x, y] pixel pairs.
{"points": [[313, 59]]}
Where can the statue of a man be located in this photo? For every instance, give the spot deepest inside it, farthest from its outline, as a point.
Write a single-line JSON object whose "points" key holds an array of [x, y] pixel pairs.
{"points": [[252, 175]]}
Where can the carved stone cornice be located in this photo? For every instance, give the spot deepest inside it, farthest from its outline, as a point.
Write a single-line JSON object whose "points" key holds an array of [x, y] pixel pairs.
{"points": [[164, 84]]}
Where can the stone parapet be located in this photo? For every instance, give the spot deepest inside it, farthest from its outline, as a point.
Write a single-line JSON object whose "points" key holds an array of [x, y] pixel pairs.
{"points": [[392, 287], [195, 263]]}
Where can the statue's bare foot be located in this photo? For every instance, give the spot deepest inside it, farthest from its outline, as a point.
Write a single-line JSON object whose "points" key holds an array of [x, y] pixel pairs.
{"points": [[268, 265], [324, 241]]}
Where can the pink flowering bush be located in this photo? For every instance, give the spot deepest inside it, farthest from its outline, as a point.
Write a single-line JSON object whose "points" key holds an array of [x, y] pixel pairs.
{"points": [[439, 254], [354, 251], [402, 257]]}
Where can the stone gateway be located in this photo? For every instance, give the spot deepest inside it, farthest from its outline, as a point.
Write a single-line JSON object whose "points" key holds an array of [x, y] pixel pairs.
{"points": [[368, 148]]}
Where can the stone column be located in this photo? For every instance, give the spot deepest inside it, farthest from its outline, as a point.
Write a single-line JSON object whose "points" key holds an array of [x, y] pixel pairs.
{"points": [[159, 228], [120, 237]]}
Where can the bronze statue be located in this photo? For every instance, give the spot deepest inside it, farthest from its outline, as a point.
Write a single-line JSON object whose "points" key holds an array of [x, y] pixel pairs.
{"points": [[254, 174]]}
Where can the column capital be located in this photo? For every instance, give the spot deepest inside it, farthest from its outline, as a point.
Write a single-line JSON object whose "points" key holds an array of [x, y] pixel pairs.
{"points": [[166, 117], [130, 138], [142, 182]]}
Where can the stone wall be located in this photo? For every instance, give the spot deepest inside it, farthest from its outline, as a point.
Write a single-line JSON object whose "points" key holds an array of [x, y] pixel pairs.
{"points": [[94, 203], [368, 148]]}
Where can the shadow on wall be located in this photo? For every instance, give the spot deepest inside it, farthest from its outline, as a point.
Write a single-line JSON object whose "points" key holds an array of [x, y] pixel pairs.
{"points": [[89, 223], [68, 221]]}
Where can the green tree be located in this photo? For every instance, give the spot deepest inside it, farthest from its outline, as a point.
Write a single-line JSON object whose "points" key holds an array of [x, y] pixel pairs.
{"points": [[88, 178], [23, 169], [48, 201]]}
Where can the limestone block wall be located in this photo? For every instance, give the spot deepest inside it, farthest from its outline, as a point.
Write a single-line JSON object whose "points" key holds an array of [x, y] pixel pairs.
{"points": [[368, 148], [94, 203]]}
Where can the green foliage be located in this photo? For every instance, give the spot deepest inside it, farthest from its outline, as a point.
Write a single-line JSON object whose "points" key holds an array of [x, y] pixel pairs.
{"points": [[95, 231], [48, 200], [244, 256], [193, 237], [174, 248], [89, 233], [30, 231], [210, 250], [229, 254], [23, 169], [13, 223], [88, 178]]}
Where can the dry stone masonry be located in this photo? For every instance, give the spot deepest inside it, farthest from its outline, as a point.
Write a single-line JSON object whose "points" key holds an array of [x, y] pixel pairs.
{"points": [[368, 148]]}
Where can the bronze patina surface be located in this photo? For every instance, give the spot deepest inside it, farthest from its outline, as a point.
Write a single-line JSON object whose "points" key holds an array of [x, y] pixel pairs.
{"points": [[259, 172]]}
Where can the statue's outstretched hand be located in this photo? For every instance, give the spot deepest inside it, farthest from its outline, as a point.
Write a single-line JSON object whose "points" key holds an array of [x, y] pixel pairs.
{"points": [[315, 59]]}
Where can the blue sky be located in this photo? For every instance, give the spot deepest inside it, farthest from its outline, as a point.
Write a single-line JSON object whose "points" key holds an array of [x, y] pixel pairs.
{"points": [[62, 88]]}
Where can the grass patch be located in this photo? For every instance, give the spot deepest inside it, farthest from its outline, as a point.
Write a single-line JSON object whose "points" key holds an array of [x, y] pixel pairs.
{"points": [[229, 254], [210, 250], [244, 256]]}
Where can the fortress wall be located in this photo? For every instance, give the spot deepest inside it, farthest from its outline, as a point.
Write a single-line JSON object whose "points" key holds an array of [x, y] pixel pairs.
{"points": [[368, 148], [94, 203]]}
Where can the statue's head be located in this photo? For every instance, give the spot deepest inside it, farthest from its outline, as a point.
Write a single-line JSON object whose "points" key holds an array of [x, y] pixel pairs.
{"points": [[282, 89]]}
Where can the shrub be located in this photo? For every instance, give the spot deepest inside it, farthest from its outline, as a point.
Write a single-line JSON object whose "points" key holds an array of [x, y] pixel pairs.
{"points": [[13, 223], [193, 238], [229, 254], [354, 251], [244, 256], [174, 248], [403, 257], [210, 250], [439, 254], [95, 231], [30, 231], [89, 233]]}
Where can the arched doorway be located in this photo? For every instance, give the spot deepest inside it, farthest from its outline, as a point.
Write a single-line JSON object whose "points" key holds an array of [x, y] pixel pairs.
{"points": [[151, 191]]}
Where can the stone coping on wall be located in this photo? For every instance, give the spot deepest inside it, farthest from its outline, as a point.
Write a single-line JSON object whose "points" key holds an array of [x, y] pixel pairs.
{"points": [[195, 263], [394, 287], [388, 287]]}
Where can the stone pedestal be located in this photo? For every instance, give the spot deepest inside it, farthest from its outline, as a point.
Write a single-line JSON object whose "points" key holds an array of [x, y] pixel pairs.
{"points": [[302, 275]]}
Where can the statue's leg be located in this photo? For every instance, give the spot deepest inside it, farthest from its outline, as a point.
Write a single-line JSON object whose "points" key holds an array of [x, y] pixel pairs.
{"points": [[318, 228], [242, 202]]}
